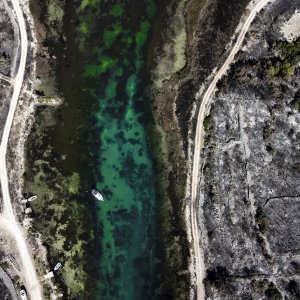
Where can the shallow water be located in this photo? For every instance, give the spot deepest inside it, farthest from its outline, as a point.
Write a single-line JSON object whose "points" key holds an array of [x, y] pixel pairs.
{"points": [[111, 36]]}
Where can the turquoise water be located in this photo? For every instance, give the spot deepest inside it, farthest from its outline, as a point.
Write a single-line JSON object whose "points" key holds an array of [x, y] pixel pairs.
{"points": [[113, 36]]}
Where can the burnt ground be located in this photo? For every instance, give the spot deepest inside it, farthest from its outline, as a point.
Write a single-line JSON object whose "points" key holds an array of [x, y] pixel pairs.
{"points": [[5, 95], [8, 52], [7, 290], [7, 42], [4, 292], [251, 169]]}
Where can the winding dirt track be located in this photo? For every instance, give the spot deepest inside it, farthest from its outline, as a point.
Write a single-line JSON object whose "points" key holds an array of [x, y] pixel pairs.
{"points": [[7, 218], [197, 265]]}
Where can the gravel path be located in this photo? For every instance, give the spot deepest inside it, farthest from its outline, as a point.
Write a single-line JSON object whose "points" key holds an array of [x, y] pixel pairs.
{"points": [[7, 217]]}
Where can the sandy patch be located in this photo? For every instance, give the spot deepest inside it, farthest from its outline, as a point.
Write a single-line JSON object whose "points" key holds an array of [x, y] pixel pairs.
{"points": [[291, 28]]}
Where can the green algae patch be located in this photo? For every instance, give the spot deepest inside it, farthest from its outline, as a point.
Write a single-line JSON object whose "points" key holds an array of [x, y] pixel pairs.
{"points": [[131, 86], [128, 39], [119, 72], [92, 70], [84, 27], [116, 10], [85, 24], [141, 35], [109, 36], [111, 89], [74, 183], [151, 9], [58, 214], [105, 65], [71, 275], [89, 4], [124, 168], [59, 220]]}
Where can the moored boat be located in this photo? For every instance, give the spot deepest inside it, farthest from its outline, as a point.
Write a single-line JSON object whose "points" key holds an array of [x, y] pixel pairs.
{"points": [[23, 294], [97, 194]]}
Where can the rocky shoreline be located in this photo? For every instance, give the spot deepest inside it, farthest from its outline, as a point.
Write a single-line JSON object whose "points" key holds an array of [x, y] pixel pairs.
{"points": [[209, 26]]}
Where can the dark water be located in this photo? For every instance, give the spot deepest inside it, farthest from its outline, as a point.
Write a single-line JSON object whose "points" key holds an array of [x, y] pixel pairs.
{"points": [[103, 79]]}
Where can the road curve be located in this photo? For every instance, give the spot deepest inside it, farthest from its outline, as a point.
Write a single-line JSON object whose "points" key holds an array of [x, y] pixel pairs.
{"points": [[7, 218], [197, 265]]}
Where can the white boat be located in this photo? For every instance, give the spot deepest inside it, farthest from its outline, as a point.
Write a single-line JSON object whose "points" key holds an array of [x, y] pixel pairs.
{"points": [[32, 198], [97, 194], [23, 294], [57, 266]]}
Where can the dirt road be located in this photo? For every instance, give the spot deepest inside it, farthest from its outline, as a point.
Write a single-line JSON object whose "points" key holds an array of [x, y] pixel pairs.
{"points": [[192, 212], [7, 218]]}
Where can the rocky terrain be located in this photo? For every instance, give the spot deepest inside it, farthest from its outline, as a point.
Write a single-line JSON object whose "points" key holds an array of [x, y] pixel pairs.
{"points": [[8, 43], [7, 290], [250, 173], [8, 57]]}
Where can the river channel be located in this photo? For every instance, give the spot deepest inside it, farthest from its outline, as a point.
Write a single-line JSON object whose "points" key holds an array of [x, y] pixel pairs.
{"points": [[104, 83]]}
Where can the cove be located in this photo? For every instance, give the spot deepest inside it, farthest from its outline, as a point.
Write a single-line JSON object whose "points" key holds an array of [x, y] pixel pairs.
{"points": [[111, 37]]}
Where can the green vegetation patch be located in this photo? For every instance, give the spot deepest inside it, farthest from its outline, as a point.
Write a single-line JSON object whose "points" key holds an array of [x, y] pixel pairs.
{"points": [[207, 122], [284, 64], [290, 50], [280, 68], [295, 103]]}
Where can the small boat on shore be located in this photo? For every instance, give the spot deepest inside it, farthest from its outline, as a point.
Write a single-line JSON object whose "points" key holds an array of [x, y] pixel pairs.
{"points": [[23, 294], [57, 266], [97, 194], [32, 198]]}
